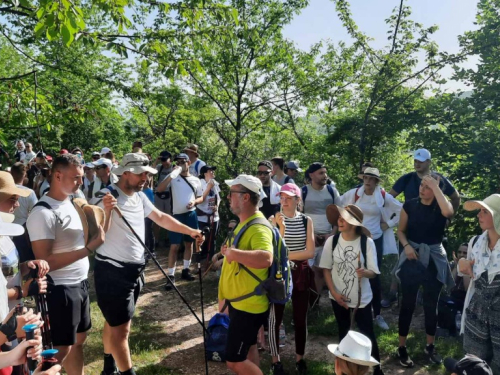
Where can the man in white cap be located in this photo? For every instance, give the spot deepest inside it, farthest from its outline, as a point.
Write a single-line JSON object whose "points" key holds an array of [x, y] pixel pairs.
{"points": [[255, 251], [58, 237], [120, 261], [409, 185], [89, 170], [104, 151], [103, 178]]}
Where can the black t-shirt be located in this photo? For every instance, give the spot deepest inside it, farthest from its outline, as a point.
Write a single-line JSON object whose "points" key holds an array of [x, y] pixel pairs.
{"points": [[409, 184], [267, 208], [426, 224]]}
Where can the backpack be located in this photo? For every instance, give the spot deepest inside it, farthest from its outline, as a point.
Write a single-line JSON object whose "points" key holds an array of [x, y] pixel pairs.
{"points": [[216, 337], [364, 239], [356, 196], [277, 285], [328, 187]]}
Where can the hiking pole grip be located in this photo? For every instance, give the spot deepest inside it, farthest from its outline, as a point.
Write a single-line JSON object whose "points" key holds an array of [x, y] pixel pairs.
{"points": [[30, 335], [48, 359]]}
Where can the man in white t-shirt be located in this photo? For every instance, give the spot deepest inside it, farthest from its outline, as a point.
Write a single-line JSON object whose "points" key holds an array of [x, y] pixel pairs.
{"points": [[186, 194], [195, 163], [26, 204], [119, 262], [316, 196], [57, 236]]}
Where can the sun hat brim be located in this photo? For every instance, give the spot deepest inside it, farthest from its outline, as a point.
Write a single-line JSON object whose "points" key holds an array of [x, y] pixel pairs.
{"points": [[478, 205], [361, 175], [135, 170], [7, 227], [333, 212], [190, 150], [14, 190], [333, 348]]}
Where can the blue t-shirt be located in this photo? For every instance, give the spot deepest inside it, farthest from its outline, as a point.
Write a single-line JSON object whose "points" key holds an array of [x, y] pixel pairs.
{"points": [[149, 193], [409, 184]]}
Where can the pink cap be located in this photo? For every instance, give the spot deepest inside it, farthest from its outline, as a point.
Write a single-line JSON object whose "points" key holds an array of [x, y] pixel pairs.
{"points": [[63, 151], [291, 189]]}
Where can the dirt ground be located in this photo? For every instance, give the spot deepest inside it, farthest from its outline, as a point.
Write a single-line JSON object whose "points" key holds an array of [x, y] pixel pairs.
{"points": [[182, 335]]}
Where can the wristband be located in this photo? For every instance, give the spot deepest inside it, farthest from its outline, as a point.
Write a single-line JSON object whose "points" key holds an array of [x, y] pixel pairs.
{"points": [[90, 251], [406, 245], [19, 291]]}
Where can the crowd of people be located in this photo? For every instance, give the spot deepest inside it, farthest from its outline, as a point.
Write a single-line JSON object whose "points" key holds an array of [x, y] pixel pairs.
{"points": [[56, 211]]}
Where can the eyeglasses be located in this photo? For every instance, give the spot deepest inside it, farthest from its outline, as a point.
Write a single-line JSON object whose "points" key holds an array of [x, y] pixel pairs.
{"points": [[104, 166], [180, 162], [263, 173], [136, 162], [96, 157]]}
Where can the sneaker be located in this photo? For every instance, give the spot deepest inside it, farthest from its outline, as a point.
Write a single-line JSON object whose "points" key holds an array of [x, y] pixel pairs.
{"points": [[301, 367], [404, 359], [387, 302], [435, 358], [277, 369], [168, 286], [186, 275], [379, 320]]}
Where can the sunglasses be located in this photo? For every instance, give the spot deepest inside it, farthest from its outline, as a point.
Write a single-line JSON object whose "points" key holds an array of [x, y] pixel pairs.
{"points": [[164, 159], [180, 162], [101, 167], [263, 173]]}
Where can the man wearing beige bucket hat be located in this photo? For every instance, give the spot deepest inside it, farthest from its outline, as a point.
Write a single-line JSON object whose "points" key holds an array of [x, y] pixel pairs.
{"points": [[58, 236], [196, 164], [481, 317], [349, 260]]}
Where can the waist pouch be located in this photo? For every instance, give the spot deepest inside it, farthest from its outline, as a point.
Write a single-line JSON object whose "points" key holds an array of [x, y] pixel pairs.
{"points": [[163, 194], [201, 212], [302, 275]]}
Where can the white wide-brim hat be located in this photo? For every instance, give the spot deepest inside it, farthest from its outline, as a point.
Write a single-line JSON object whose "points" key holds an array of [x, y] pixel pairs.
{"points": [[355, 348], [7, 227], [492, 204]]}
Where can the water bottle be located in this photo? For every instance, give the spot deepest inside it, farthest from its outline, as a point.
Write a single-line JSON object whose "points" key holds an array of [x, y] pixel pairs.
{"points": [[458, 320]]}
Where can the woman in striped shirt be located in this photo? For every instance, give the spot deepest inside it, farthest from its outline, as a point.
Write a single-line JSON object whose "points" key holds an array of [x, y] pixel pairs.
{"points": [[298, 232]]}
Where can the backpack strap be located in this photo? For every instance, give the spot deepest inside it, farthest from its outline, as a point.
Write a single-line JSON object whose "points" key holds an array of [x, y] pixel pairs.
{"points": [[47, 206], [196, 166], [287, 178], [330, 190], [113, 191], [257, 220], [304, 194], [364, 240], [475, 240], [356, 196], [335, 241]]}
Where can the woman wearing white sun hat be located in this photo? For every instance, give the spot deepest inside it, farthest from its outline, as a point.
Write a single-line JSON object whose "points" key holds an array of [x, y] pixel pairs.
{"points": [[353, 354], [481, 315]]}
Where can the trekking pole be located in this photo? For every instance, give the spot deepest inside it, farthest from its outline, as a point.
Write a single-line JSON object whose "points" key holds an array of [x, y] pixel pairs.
{"points": [[205, 231], [42, 308], [118, 211]]}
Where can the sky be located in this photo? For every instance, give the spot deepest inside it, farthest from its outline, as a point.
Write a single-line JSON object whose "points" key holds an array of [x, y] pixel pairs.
{"points": [[320, 21]]}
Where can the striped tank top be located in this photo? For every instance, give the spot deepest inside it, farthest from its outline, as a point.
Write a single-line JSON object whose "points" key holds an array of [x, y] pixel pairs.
{"points": [[296, 232]]}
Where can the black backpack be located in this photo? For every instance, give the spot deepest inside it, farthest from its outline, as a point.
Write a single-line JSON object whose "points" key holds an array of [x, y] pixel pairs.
{"points": [[364, 239]]}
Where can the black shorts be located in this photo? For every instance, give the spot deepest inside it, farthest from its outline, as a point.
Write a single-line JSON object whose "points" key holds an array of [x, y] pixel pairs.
{"points": [[69, 312], [117, 289], [242, 334]]}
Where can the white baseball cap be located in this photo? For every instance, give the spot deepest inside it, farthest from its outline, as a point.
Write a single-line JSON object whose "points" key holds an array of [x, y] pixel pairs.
{"points": [[422, 155], [105, 150], [7, 228], [136, 163], [252, 183], [103, 161]]}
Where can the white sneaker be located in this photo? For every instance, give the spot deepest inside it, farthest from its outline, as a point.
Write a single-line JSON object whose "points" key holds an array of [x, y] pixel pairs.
{"points": [[379, 320]]}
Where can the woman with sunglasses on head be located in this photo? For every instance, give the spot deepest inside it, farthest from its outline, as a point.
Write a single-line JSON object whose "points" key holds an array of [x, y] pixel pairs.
{"points": [[298, 232], [208, 210], [481, 314], [423, 261]]}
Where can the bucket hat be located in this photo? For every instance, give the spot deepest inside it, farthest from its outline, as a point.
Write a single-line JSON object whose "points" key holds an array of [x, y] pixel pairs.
{"points": [[351, 213], [492, 204], [356, 348]]}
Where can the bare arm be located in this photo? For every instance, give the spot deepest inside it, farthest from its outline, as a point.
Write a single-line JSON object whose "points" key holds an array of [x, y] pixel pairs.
{"points": [[308, 253], [257, 259], [410, 252], [169, 223]]}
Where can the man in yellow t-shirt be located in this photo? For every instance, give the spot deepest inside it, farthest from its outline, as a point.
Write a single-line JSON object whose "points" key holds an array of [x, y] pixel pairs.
{"points": [[255, 251]]}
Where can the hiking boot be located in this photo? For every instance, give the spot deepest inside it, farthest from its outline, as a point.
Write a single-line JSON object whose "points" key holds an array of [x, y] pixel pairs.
{"points": [[301, 367], [404, 359], [186, 275], [435, 358], [168, 286], [277, 369], [379, 320], [387, 302]]}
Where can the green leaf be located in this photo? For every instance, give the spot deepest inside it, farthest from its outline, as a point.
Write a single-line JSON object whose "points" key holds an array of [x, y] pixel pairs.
{"points": [[144, 64], [51, 33], [234, 13], [39, 28], [67, 35], [40, 12], [25, 3]]}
